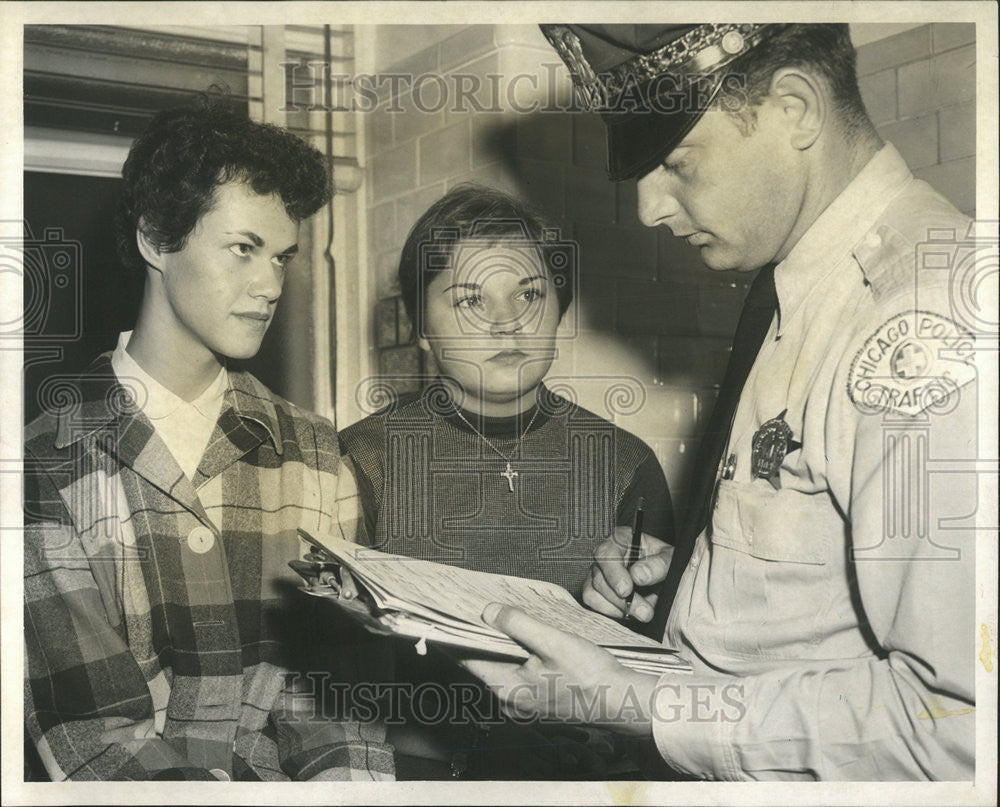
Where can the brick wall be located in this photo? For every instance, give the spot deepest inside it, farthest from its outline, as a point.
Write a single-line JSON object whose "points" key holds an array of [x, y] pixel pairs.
{"points": [[419, 148], [648, 337], [919, 88]]}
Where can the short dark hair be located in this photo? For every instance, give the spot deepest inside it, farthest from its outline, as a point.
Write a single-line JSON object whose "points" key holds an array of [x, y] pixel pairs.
{"points": [[825, 48], [474, 211], [185, 153]]}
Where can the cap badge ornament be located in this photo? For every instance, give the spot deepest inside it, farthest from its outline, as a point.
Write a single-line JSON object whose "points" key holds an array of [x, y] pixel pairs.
{"points": [[651, 83], [567, 45], [732, 43], [771, 443], [700, 51]]}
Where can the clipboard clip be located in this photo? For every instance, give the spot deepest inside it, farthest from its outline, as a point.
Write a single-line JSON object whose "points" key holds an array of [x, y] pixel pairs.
{"points": [[319, 567], [317, 552]]}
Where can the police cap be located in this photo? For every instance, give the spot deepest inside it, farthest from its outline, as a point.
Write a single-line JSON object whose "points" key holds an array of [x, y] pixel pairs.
{"points": [[651, 83]]}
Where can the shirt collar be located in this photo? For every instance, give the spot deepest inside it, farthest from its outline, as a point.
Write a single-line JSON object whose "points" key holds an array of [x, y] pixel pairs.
{"points": [[96, 399], [155, 400], [89, 402], [844, 222]]}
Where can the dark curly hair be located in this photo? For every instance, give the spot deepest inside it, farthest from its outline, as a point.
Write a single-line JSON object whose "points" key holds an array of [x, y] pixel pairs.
{"points": [[473, 211], [185, 153], [824, 47]]}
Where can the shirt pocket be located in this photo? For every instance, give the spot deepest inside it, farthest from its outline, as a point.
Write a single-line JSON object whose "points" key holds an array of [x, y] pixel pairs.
{"points": [[768, 524], [771, 582]]}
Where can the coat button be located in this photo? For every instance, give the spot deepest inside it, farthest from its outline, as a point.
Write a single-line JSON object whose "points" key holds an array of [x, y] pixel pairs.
{"points": [[200, 539]]}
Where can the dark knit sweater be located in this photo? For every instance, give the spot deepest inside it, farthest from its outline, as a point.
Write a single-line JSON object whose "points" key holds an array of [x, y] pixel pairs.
{"points": [[432, 488]]}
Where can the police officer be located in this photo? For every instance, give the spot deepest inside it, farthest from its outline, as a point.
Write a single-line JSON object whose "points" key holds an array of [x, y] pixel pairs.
{"points": [[826, 607]]}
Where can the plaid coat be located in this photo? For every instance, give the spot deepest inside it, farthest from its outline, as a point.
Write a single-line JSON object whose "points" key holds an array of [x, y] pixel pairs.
{"points": [[165, 635]]}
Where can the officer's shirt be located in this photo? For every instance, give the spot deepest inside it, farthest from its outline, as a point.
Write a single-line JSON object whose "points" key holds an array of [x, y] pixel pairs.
{"points": [[828, 609]]}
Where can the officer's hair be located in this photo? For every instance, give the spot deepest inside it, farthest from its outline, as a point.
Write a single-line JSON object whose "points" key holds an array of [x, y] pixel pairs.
{"points": [[485, 215], [826, 49], [185, 153]]}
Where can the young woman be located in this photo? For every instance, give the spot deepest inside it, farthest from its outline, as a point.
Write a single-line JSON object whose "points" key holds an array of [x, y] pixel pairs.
{"points": [[486, 468]]}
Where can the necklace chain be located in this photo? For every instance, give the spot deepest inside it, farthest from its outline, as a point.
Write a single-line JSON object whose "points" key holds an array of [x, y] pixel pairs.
{"points": [[509, 474], [486, 440]]}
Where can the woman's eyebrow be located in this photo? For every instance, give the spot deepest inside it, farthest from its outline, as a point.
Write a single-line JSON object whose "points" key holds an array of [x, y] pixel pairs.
{"points": [[531, 279], [471, 286], [252, 237], [258, 242]]}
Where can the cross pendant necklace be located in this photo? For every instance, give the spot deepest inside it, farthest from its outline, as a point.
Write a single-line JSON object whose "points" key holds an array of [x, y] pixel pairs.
{"points": [[509, 474]]}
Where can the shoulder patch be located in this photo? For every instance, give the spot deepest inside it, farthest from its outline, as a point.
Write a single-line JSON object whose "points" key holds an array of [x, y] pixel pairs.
{"points": [[914, 361]]}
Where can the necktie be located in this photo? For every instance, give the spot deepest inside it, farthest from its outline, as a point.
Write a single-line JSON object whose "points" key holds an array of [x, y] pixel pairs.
{"points": [[755, 319]]}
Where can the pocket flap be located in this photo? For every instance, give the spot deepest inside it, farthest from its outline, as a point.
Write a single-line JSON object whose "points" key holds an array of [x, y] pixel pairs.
{"points": [[771, 525]]}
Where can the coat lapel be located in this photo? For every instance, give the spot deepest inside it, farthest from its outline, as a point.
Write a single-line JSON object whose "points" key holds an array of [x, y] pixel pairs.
{"points": [[100, 409], [97, 406], [248, 419]]}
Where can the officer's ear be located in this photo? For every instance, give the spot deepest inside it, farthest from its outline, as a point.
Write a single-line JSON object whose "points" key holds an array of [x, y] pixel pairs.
{"points": [[151, 253], [803, 104]]}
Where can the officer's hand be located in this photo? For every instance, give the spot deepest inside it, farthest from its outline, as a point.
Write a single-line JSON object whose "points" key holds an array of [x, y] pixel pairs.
{"points": [[610, 584], [563, 677]]}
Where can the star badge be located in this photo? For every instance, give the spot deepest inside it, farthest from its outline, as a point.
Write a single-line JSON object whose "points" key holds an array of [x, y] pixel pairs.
{"points": [[771, 444]]}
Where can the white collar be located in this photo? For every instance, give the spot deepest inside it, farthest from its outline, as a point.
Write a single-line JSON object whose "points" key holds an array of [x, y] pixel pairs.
{"points": [[155, 400]]}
